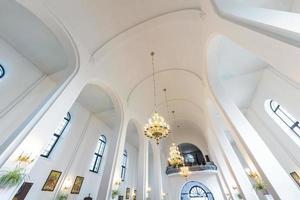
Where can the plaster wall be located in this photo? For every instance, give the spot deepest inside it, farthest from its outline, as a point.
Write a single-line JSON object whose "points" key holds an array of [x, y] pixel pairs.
{"points": [[284, 145], [24, 89], [208, 179], [72, 156], [131, 170]]}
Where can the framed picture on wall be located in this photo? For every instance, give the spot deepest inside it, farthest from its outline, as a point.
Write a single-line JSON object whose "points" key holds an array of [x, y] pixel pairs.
{"points": [[23, 191], [120, 197], [127, 193], [51, 181], [134, 195], [296, 177], [77, 185]]}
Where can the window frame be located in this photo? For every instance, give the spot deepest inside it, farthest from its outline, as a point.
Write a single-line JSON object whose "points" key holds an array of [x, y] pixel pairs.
{"points": [[46, 153], [102, 141], [196, 187], [2, 71], [283, 115], [124, 165]]}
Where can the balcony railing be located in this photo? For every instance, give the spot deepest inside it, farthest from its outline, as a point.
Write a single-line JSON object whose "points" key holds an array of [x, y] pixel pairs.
{"points": [[207, 167]]}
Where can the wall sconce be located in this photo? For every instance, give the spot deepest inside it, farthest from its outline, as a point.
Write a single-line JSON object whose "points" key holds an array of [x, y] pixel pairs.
{"points": [[118, 182], [24, 159], [67, 184], [228, 196], [148, 190], [133, 193], [251, 173]]}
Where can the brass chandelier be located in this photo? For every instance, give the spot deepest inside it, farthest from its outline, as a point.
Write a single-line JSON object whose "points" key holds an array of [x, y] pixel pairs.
{"points": [[156, 128], [185, 171], [175, 159]]}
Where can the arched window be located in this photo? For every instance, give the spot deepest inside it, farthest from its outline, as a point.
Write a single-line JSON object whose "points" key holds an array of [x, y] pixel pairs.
{"points": [[2, 71], [194, 190], [282, 117], [123, 167], [197, 193], [58, 132], [96, 162]]}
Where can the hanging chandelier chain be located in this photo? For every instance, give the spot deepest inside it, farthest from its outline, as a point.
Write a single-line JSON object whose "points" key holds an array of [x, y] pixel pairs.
{"points": [[154, 82], [168, 112], [174, 119], [156, 128]]}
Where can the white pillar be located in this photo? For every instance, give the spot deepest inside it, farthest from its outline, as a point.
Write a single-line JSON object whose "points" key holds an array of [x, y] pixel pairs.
{"points": [[236, 166], [157, 193], [224, 169], [116, 147], [261, 155], [142, 168], [224, 175]]}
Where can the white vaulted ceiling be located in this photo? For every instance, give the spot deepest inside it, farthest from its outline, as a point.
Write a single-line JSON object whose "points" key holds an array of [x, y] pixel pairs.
{"points": [[31, 37], [177, 42], [98, 102], [239, 70], [127, 33], [98, 21]]}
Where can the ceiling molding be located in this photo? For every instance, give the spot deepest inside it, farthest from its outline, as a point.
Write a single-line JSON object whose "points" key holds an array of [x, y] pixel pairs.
{"points": [[161, 71], [99, 51]]}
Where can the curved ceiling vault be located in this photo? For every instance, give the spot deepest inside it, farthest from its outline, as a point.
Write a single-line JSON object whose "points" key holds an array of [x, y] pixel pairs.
{"points": [[98, 21], [175, 38], [177, 63]]}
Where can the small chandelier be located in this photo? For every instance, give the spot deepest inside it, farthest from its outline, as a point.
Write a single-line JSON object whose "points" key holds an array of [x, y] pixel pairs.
{"points": [[185, 171], [156, 128], [175, 158]]}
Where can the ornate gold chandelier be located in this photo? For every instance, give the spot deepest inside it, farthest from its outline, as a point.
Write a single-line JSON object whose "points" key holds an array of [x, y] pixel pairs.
{"points": [[175, 158], [156, 128], [185, 171]]}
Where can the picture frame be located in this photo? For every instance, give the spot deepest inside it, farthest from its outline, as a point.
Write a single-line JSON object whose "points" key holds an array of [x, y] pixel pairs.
{"points": [[134, 196], [23, 191], [77, 185], [296, 177], [127, 196], [120, 197], [51, 181]]}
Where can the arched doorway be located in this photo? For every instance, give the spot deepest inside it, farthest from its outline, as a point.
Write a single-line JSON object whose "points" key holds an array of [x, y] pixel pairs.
{"points": [[194, 190]]}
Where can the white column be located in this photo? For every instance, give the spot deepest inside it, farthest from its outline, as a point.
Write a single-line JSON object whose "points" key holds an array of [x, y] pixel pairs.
{"points": [[237, 168], [261, 155], [142, 169], [116, 147], [157, 193], [224, 169]]}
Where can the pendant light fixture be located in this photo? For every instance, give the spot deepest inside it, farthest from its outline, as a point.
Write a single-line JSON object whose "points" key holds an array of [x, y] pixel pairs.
{"points": [[175, 159], [156, 128], [185, 171]]}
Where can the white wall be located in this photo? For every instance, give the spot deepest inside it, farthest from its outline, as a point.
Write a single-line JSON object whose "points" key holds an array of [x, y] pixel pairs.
{"points": [[208, 179], [131, 171], [283, 145], [271, 4], [72, 155], [23, 90]]}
